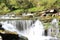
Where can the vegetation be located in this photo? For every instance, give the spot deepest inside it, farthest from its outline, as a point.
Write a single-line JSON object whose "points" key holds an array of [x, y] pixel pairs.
{"points": [[7, 6]]}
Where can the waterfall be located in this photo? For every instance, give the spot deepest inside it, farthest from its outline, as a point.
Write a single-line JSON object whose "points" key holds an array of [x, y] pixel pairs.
{"points": [[35, 32], [55, 22], [19, 24], [55, 25], [24, 24], [9, 27], [31, 29]]}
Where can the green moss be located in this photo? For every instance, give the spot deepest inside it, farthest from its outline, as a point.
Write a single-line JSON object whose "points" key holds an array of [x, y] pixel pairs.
{"points": [[35, 9]]}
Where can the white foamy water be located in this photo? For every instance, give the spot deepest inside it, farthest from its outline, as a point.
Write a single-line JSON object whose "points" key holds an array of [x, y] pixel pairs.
{"points": [[55, 22], [34, 33], [8, 27], [55, 25]]}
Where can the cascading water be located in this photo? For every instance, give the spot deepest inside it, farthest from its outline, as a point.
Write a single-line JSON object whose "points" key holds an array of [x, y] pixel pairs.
{"points": [[17, 25], [9, 27], [55, 22], [23, 24], [55, 25], [34, 32]]}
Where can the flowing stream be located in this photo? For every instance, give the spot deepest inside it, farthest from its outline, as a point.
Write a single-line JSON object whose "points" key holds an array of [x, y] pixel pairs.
{"points": [[33, 30]]}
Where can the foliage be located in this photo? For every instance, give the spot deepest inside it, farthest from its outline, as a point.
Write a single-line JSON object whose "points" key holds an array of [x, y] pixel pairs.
{"points": [[28, 5], [47, 25], [3, 8], [34, 9], [18, 12]]}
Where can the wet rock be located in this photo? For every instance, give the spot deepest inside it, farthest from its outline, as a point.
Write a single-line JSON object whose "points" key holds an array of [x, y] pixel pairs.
{"points": [[9, 36], [23, 38]]}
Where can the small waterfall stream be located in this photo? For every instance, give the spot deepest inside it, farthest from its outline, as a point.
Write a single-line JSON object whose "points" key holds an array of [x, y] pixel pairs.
{"points": [[32, 29], [55, 25], [24, 24], [19, 24]]}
